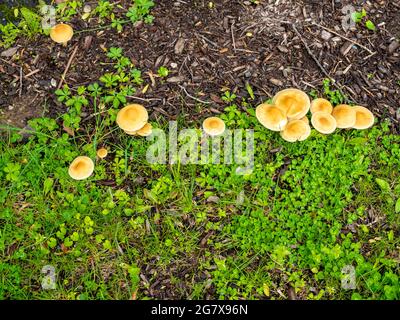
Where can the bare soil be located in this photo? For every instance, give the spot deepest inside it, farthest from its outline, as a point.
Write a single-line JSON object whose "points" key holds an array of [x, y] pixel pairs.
{"points": [[212, 50]]}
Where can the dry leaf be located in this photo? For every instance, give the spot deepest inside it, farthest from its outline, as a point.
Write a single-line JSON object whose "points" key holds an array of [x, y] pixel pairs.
{"points": [[69, 130]]}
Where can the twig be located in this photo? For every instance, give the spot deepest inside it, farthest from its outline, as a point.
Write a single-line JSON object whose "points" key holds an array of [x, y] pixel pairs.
{"points": [[31, 73], [20, 81], [67, 67], [341, 36], [194, 98], [144, 99], [318, 63], [233, 36], [207, 40], [93, 115]]}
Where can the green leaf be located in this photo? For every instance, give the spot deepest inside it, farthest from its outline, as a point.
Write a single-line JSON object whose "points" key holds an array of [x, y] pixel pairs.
{"points": [[397, 208], [250, 91], [47, 185], [358, 141], [370, 25], [384, 185]]}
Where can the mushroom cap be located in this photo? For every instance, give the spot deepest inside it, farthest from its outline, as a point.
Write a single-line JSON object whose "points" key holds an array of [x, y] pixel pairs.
{"points": [[294, 102], [305, 119], [321, 105], [323, 122], [296, 130], [213, 126], [145, 131], [61, 33], [102, 153], [81, 168], [133, 117], [364, 118], [345, 116], [271, 117]]}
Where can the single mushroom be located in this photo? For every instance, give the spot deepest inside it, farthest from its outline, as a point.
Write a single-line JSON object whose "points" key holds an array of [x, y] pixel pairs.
{"points": [[102, 153], [61, 33], [145, 131], [81, 168], [296, 130], [345, 116], [364, 118], [323, 122], [295, 103], [271, 117], [132, 118], [321, 105], [213, 126]]}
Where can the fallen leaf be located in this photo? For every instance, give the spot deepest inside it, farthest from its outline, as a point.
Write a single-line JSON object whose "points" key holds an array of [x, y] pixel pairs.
{"points": [[179, 46], [175, 79], [215, 98], [9, 52], [69, 130]]}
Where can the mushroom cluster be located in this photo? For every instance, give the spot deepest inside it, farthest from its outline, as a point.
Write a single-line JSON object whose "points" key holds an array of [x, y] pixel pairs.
{"points": [[288, 115], [133, 120]]}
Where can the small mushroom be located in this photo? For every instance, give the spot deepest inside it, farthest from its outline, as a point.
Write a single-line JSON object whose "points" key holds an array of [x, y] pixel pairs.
{"points": [[321, 105], [61, 33], [102, 153], [364, 118], [132, 118], [296, 130], [323, 122], [213, 126], [143, 132], [345, 116], [295, 103], [81, 168], [271, 117]]}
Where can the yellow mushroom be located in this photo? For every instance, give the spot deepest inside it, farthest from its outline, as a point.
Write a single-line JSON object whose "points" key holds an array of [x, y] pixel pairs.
{"points": [[132, 118], [296, 130], [271, 117], [61, 33], [145, 131], [102, 153], [81, 168], [213, 126], [321, 105], [323, 122], [345, 116], [294, 103], [364, 118]]}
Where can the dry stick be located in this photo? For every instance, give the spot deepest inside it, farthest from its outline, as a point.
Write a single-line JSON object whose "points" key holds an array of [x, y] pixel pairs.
{"points": [[194, 98], [20, 81], [67, 67], [318, 63], [341, 36], [32, 73], [144, 99], [233, 36]]}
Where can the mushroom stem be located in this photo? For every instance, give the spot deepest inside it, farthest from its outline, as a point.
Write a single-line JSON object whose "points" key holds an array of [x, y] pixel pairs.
{"points": [[64, 44]]}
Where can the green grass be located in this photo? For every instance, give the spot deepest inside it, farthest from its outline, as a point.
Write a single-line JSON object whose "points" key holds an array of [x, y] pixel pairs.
{"points": [[148, 230], [307, 210]]}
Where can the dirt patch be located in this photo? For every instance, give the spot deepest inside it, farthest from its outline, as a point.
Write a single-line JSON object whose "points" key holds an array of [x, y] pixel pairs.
{"points": [[209, 50], [21, 110]]}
